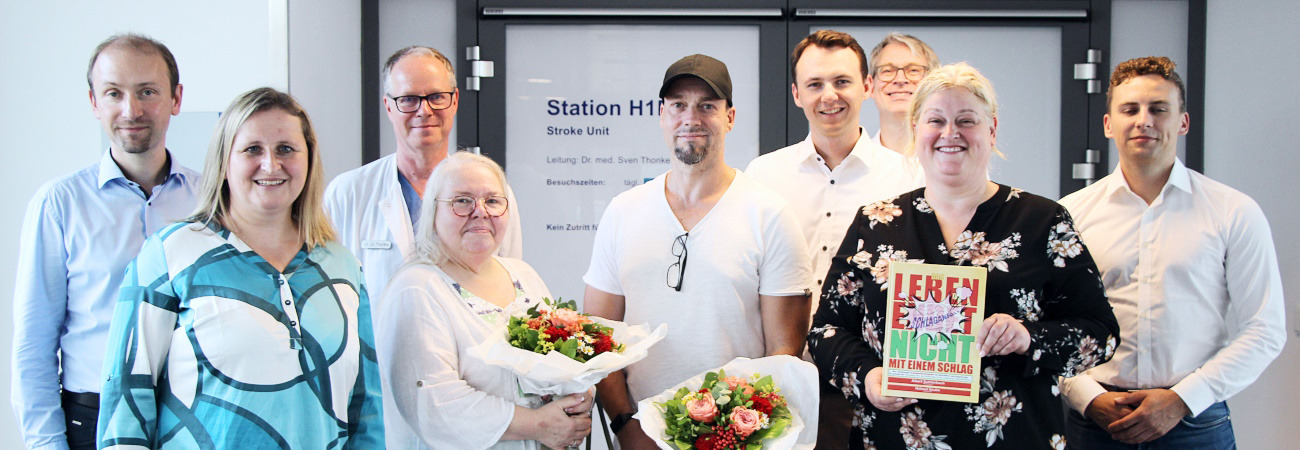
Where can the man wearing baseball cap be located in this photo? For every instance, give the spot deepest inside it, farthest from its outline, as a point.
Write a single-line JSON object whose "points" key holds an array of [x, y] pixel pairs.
{"points": [[702, 248]]}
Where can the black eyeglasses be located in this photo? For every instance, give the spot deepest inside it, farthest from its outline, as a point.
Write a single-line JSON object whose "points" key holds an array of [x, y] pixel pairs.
{"points": [[411, 103], [677, 271]]}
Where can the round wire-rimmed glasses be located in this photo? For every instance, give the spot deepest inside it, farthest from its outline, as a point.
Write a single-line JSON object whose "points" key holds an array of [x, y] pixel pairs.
{"points": [[913, 72], [464, 205]]}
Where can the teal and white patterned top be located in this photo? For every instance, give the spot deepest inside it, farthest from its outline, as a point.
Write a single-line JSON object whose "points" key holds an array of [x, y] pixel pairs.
{"points": [[211, 347]]}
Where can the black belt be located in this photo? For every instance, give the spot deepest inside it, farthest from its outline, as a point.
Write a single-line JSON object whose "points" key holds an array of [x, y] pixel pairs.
{"points": [[87, 399]]}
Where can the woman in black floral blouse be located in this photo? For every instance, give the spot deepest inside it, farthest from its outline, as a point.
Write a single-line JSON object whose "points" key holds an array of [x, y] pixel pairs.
{"points": [[1046, 310]]}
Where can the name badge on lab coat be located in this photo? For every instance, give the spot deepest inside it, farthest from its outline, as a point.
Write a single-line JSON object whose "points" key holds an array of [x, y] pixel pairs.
{"points": [[379, 244]]}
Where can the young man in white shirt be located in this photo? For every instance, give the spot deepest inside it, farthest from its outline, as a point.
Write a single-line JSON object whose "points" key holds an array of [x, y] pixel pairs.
{"points": [[838, 168], [1191, 270], [702, 248]]}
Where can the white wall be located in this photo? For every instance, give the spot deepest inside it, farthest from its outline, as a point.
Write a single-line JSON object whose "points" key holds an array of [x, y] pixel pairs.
{"points": [[222, 49], [325, 76], [1251, 143], [403, 23]]}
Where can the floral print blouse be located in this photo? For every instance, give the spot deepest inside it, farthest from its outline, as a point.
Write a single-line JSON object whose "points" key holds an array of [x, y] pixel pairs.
{"points": [[1038, 272]]}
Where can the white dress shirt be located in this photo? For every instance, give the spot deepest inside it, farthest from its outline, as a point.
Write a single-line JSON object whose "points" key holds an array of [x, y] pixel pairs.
{"points": [[1194, 282], [825, 200]]}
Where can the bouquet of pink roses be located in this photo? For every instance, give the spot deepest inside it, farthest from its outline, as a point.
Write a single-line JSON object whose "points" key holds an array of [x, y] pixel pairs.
{"points": [[726, 412], [775, 406]]}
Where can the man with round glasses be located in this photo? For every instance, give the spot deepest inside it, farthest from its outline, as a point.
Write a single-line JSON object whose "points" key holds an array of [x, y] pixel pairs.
{"points": [[897, 64], [375, 207]]}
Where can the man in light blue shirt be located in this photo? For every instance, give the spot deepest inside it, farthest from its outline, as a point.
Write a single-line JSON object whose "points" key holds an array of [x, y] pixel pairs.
{"points": [[79, 234]]}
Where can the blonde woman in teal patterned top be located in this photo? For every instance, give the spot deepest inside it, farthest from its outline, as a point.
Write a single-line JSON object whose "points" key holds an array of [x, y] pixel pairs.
{"points": [[247, 325]]}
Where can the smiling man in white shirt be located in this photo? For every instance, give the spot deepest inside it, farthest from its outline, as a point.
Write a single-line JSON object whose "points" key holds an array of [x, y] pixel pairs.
{"points": [[1191, 270], [837, 168]]}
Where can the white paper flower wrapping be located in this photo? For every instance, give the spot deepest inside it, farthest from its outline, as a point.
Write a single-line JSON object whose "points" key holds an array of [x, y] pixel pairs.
{"points": [[556, 374], [796, 378]]}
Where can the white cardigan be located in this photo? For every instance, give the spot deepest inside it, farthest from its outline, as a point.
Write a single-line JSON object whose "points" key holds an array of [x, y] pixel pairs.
{"points": [[434, 396]]}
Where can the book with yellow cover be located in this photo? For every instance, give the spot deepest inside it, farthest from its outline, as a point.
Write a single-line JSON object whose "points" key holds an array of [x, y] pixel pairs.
{"points": [[933, 314]]}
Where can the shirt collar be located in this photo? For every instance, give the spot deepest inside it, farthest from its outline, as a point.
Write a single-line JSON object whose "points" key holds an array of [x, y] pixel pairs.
{"points": [[866, 148], [1178, 178], [863, 150], [109, 170]]}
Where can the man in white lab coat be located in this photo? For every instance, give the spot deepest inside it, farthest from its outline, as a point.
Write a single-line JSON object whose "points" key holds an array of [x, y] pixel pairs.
{"points": [[375, 208]]}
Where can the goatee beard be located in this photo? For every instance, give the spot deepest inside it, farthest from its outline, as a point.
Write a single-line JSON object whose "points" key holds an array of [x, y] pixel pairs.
{"points": [[137, 144], [690, 154]]}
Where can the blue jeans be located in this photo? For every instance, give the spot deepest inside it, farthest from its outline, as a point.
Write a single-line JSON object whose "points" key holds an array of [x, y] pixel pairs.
{"points": [[1212, 429]]}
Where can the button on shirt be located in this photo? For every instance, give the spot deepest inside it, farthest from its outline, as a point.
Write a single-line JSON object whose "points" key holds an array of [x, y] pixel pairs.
{"points": [[79, 234], [824, 200], [1194, 282]]}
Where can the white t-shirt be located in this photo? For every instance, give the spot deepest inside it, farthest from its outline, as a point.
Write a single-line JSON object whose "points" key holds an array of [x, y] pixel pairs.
{"points": [[748, 244], [825, 200]]}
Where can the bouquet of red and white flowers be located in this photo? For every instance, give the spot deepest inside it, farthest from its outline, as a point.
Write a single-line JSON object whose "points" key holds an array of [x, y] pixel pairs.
{"points": [[558, 326], [747, 404], [557, 350]]}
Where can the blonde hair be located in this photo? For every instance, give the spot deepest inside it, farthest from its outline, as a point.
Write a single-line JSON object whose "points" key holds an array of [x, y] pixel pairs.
{"points": [[214, 194], [951, 76], [427, 248]]}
